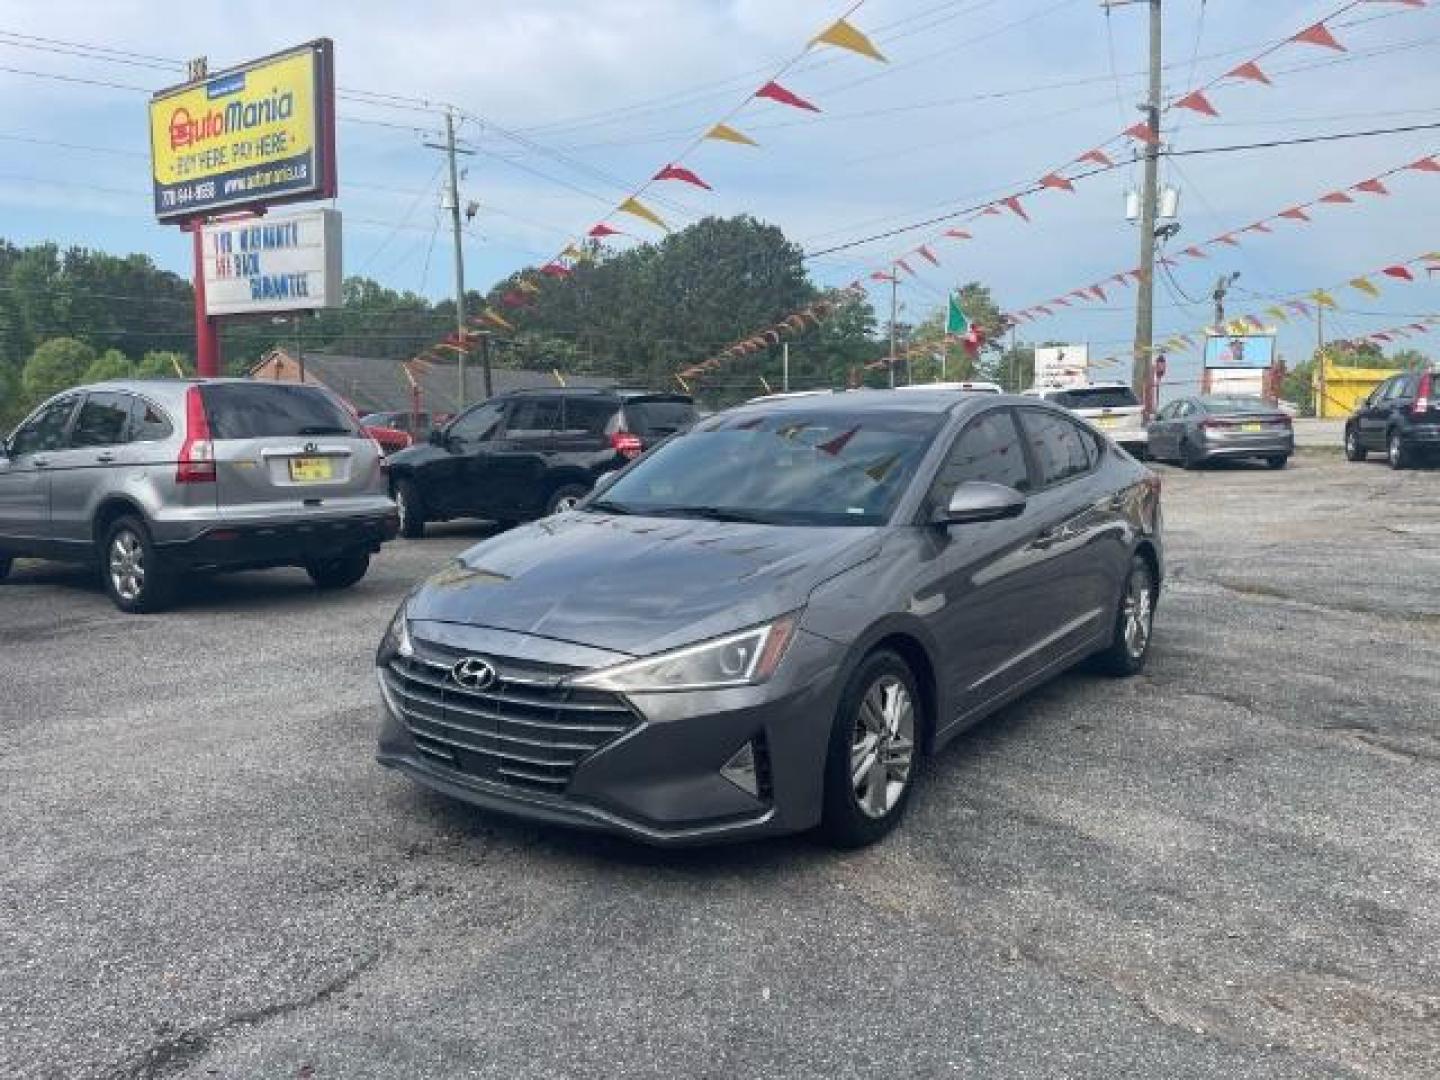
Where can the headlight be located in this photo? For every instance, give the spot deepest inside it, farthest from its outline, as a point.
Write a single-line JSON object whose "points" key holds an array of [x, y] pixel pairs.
{"points": [[397, 636], [742, 659]]}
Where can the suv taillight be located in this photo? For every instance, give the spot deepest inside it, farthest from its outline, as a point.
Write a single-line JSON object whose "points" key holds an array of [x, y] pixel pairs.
{"points": [[626, 444], [197, 453], [1422, 395]]}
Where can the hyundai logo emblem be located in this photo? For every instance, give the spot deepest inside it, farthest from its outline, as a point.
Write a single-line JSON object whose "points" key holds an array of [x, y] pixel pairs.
{"points": [[473, 673]]}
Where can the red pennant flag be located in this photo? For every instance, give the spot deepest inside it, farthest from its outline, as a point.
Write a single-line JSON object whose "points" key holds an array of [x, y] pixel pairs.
{"points": [[928, 255], [1259, 227], [676, 172], [903, 265], [1055, 180], [1426, 164], [516, 298], [990, 211], [1401, 272], [1119, 279], [1319, 35], [1099, 292], [555, 269], [1099, 157], [1194, 253], [1374, 187], [1196, 101], [1299, 307], [1044, 310], [959, 234], [1295, 213], [1060, 301], [1227, 238], [1141, 132], [602, 230], [1419, 328], [1336, 197], [1249, 70], [880, 275], [1255, 322], [775, 92], [1013, 202], [1380, 336]]}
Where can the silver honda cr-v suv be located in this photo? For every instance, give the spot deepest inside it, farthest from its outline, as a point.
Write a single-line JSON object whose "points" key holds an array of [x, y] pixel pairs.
{"points": [[149, 479]]}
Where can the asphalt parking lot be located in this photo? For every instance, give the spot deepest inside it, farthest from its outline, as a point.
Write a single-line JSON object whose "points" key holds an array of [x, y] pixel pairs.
{"points": [[1229, 866]]}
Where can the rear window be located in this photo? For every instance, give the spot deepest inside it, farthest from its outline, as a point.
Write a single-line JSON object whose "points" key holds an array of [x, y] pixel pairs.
{"points": [[659, 416], [1223, 405], [1096, 397], [273, 410]]}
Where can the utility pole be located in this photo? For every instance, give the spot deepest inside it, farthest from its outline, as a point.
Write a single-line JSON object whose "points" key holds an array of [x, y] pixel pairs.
{"points": [[894, 312], [1319, 361], [452, 203], [785, 367], [1149, 200]]}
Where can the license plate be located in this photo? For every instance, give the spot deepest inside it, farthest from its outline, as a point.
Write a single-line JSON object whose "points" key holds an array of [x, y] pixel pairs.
{"points": [[1252, 427], [309, 469], [1108, 422]]}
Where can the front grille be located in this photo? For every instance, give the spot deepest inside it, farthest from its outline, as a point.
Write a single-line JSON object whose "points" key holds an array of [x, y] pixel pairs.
{"points": [[526, 730]]}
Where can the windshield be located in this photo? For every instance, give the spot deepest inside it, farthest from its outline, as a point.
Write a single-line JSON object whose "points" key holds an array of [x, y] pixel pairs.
{"points": [[1096, 397], [1220, 404], [781, 468]]}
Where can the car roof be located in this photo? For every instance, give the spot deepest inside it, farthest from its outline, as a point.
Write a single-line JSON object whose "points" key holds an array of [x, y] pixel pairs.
{"points": [[858, 401]]}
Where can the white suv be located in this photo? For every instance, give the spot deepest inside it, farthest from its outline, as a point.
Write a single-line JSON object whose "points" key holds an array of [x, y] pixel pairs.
{"points": [[1110, 406]]}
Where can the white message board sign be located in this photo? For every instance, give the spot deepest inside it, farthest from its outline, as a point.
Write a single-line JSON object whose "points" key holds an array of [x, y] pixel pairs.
{"points": [[276, 263]]}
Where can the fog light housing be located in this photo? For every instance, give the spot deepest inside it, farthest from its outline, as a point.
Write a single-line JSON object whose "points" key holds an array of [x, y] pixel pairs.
{"points": [[749, 769]]}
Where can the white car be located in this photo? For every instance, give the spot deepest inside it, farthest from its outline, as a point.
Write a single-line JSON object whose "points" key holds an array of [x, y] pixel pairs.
{"points": [[969, 387], [1110, 406]]}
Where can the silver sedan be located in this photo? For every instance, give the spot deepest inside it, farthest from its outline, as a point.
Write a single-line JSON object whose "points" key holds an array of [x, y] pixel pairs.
{"points": [[1196, 430]]}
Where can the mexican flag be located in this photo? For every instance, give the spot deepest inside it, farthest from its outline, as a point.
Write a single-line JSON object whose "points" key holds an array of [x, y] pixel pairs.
{"points": [[958, 324]]}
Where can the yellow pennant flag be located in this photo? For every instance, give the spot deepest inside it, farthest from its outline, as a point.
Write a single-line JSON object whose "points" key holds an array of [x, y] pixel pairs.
{"points": [[1278, 313], [726, 133], [494, 317], [844, 36], [1323, 298], [634, 206], [573, 252], [1365, 285], [527, 286], [1237, 326]]}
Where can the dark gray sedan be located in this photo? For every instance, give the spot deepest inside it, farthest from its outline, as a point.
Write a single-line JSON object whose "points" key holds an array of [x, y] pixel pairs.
{"points": [[760, 626], [1196, 430]]}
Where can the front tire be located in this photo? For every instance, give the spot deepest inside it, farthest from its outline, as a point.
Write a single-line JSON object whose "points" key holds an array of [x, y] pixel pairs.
{"points": [[1396, 451], [411, 509], [1134, 624], [564, 498], [1354, 448], [340, 572], [136, 577], [874, 748]]}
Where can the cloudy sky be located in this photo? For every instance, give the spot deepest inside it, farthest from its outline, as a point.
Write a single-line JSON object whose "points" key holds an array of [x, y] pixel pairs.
{"points": [[570, 103]]}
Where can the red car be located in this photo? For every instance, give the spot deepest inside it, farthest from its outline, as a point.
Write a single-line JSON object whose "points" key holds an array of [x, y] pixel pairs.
{"points": [[391, 440]]}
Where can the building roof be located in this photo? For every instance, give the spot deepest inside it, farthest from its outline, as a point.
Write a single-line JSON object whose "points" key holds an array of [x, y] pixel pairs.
{"points": [[375, 384]]}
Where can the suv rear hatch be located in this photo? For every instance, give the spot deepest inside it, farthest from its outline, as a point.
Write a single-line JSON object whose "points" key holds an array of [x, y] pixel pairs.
{"points": [[282, 450], [1113, 409], [655, 417]]}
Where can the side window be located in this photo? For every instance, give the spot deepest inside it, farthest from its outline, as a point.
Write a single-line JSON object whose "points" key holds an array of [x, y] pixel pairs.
{"points": [[479, 424], [1386, 391], [989, 449], [46, 431], [588, 416], [532, 417], [103, 420], [1406, 386], [1059, 446], [147, 422]]}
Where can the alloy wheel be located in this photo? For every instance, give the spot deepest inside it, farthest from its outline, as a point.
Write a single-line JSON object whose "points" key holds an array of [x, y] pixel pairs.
{"points": [[882, 746], [127, 566], [1138, 612]]}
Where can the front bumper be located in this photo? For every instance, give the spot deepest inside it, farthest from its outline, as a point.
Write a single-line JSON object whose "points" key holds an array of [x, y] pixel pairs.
{"points": [[290, 543], [660, 781]]}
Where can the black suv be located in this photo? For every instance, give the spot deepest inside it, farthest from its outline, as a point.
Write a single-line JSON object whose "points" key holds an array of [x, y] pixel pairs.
{"points": [[1401, 417], [530, 453]]}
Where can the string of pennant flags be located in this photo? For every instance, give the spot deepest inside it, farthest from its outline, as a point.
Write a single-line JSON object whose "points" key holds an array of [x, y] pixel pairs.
{"points": [[1300, 213], [1105, 156]]}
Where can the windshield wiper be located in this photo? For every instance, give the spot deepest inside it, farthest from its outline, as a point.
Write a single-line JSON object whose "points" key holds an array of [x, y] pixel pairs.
{"points": [[711, 513], [324, 429], [605, 506]]}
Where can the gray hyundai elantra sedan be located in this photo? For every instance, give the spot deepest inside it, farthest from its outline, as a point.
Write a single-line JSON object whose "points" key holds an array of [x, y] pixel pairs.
{"points": [[763, 625]]}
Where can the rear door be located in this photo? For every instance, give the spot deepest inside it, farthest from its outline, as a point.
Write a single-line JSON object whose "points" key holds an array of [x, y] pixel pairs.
{"points": [[286, 450], [81, 472], [25, 473]]}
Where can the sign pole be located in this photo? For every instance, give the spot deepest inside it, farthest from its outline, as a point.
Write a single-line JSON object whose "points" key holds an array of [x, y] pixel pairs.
{"points": [[207, 328]]}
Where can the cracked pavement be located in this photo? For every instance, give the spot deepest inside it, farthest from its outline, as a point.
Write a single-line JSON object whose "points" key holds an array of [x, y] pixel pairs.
{"points": [[1226, 867]]}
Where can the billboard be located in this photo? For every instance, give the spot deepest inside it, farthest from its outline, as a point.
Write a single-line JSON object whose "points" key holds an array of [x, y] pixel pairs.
{"points": [[253, 135], [1062, 365], [280, 262], [1239, 351]]}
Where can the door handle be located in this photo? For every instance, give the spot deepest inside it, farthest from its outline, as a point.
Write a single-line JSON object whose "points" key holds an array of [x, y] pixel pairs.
{"points": [[40, 462], [104, 459]]}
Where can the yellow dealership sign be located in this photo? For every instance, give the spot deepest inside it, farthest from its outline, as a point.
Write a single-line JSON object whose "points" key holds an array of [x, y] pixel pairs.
{"points": [[254, 135]]}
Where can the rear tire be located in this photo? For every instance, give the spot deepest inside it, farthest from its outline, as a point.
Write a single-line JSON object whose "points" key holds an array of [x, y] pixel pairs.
{"points": [[1397, 452], [136, 577], [1354, 448], [1279, 461], [873, 757], [564, 498], [1134, 624], [411, 509], [340, 572]]}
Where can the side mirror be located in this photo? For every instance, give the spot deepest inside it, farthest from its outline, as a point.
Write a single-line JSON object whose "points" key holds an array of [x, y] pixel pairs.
{"points": [[976, 501], [437, 437]]}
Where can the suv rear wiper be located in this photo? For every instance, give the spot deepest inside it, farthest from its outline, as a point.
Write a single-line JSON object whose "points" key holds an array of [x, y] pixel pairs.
{"points": [[324, 429]]}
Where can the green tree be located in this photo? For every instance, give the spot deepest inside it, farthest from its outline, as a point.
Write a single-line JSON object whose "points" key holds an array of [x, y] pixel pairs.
{"points": [[163, 365], [55, 365], [111, 364], [1408, 360]]}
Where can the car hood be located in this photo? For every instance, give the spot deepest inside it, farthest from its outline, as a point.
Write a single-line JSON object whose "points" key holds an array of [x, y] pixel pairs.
{"points": [[638, 585]]}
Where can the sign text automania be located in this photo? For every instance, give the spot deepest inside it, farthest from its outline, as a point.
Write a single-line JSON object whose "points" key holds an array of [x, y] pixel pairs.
{"points": [[237, 116]]}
